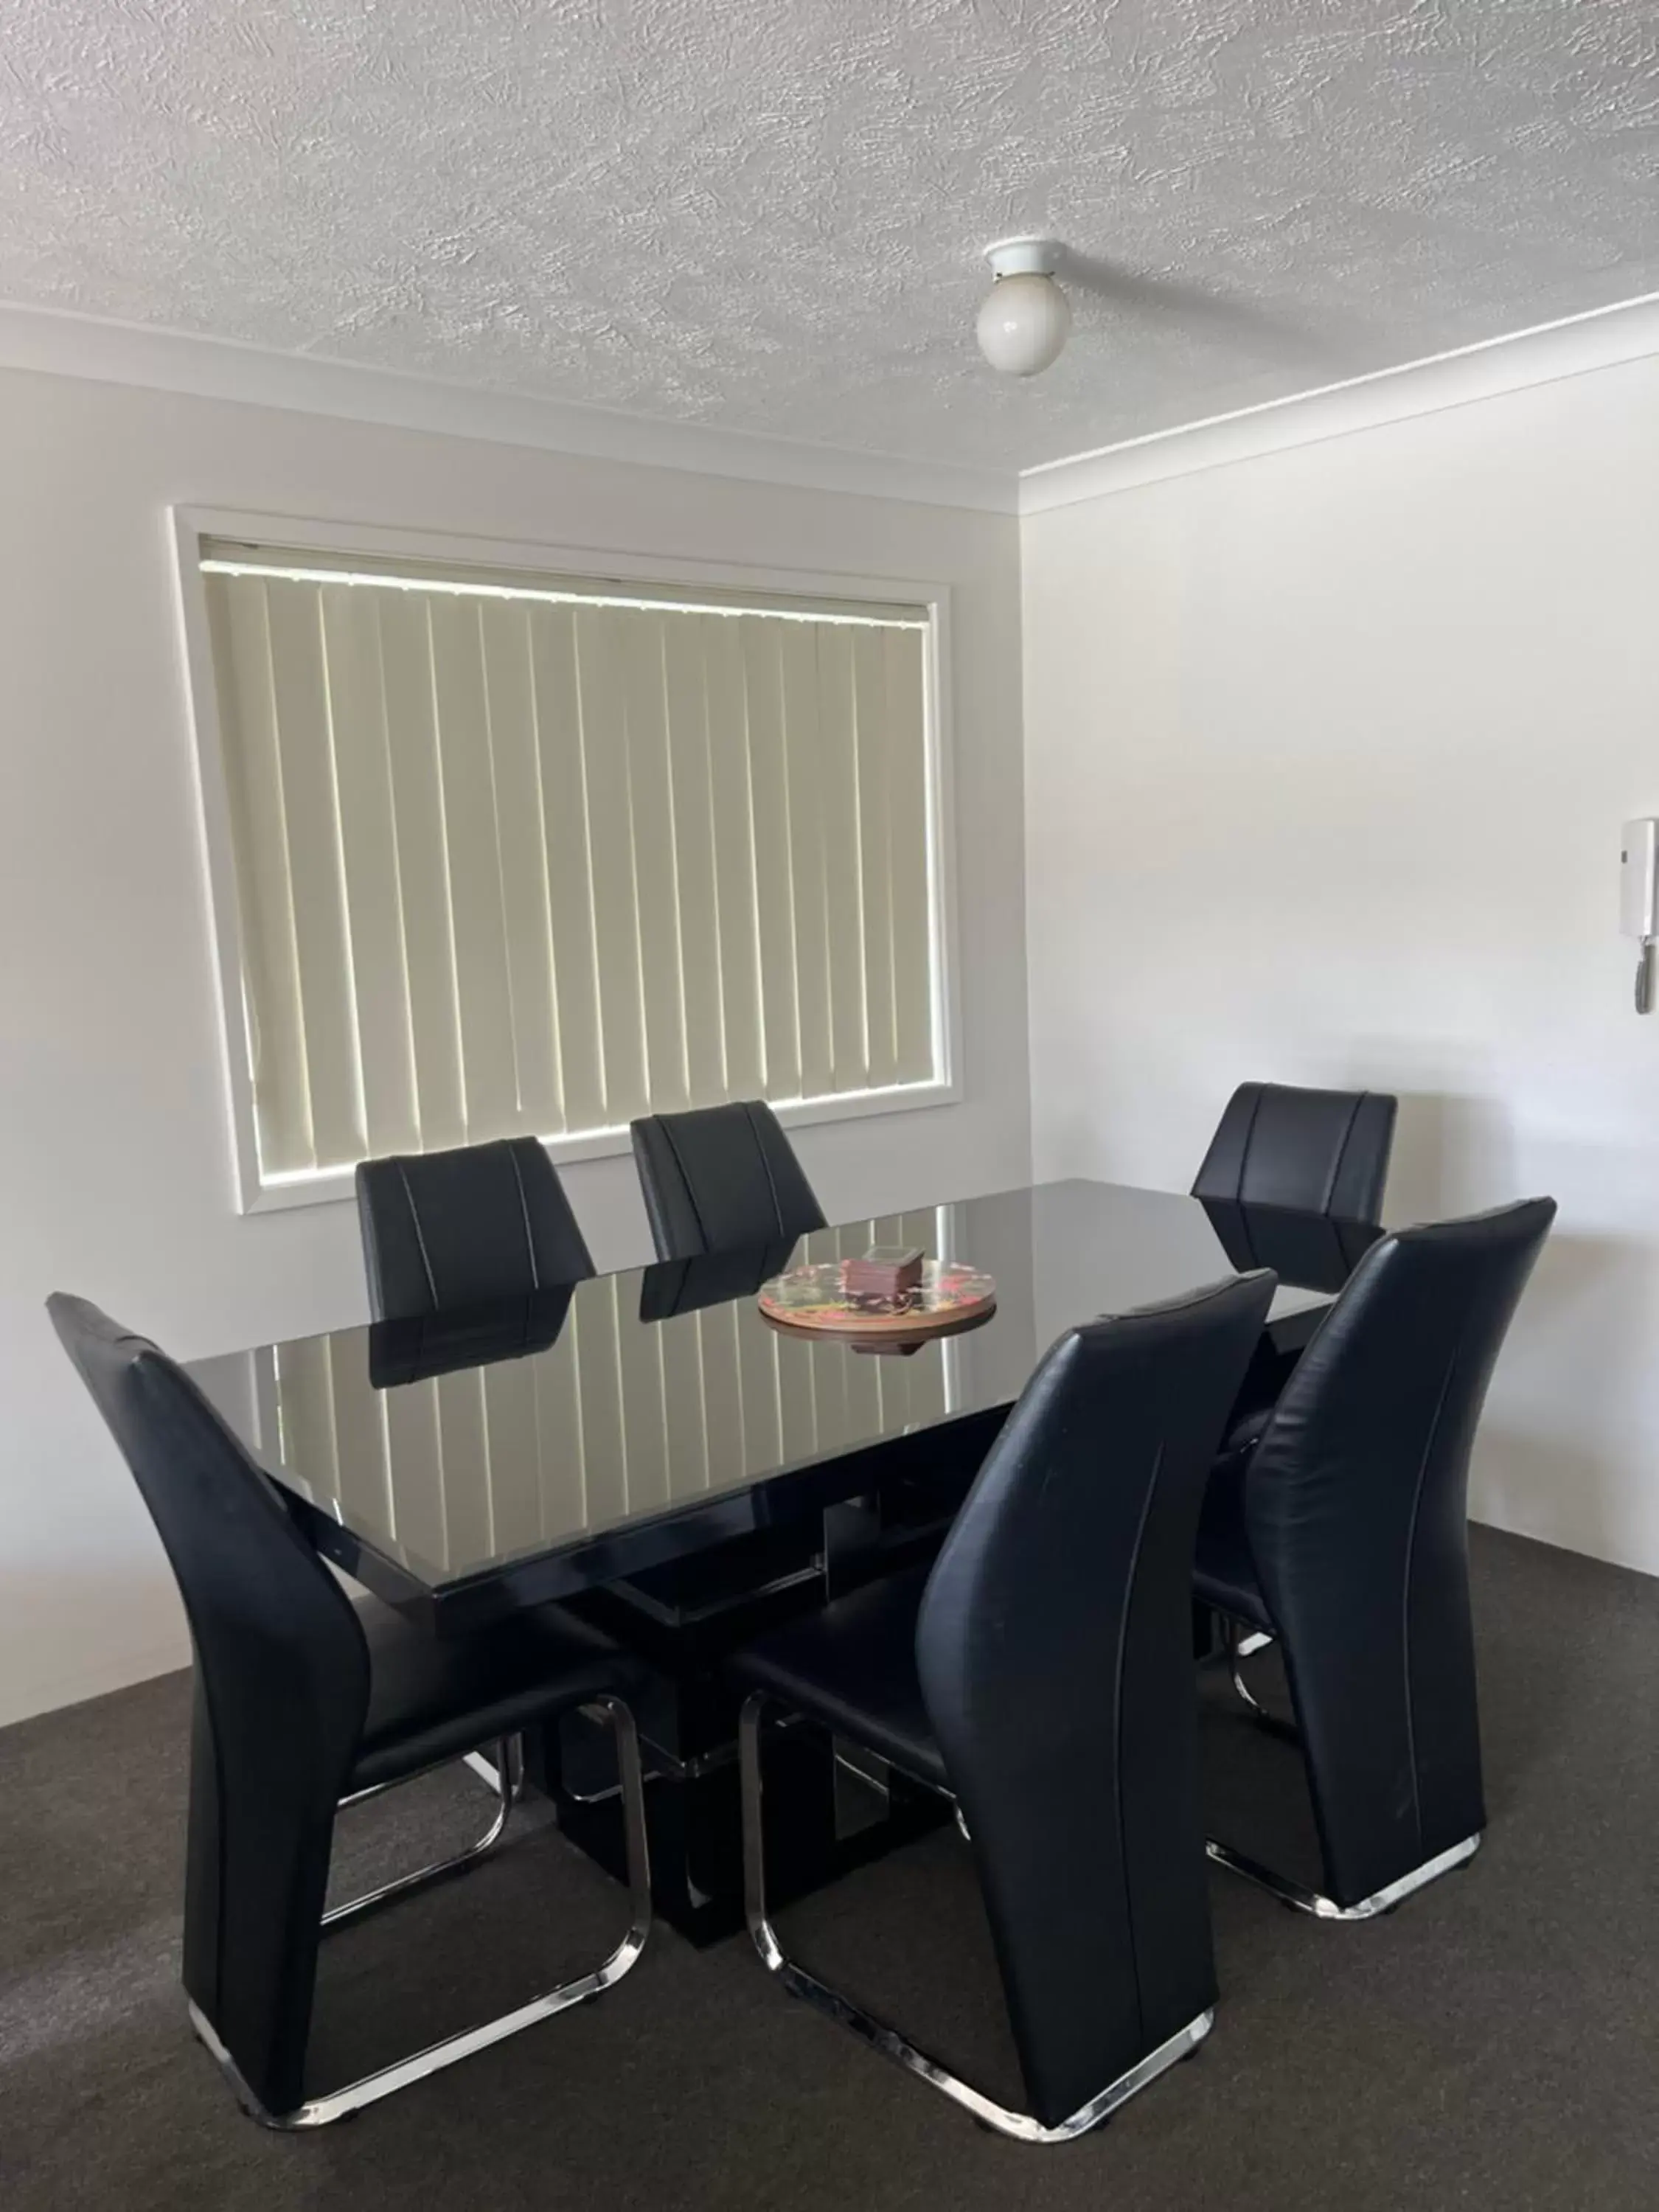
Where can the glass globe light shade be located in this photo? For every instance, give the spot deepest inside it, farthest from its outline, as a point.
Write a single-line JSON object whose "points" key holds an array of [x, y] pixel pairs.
{"points": [[1024, 322]]}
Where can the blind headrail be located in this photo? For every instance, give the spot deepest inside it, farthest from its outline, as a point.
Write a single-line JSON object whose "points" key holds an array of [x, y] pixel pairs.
{"points": [[229, 557]]}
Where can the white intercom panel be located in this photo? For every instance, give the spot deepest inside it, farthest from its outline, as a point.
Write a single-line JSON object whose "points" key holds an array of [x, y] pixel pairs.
{"points": [[1638, 898]]}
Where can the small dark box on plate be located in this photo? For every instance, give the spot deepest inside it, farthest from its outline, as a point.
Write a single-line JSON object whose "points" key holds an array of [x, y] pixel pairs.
{"points": [[886, 1271]]}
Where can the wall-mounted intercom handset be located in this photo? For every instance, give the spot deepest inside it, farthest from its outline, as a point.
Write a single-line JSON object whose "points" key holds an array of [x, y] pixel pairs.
{"points": [[1638, 899]]}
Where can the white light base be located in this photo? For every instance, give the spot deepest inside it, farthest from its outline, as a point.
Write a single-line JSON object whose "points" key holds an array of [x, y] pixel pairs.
{"points": [[1024, 257]]}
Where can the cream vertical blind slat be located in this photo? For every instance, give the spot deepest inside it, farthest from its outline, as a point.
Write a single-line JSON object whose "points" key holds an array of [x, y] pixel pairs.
{"points": [[722, 1388], [522, 860], [924, 1376], [483, 999], [513, 1455], [734, 858], [559, 1436], [520, 844], [757, 1384], [907, 814], [645, 1441], [862, 1374], [830, 1404], [417, 806], [469, 1518], [570, 867], [594, 1329], [306, 1399], [769, 810], [832, 1364], [368, 840], [602, 645], [300, 688], [875, 848], [416, 1449], [799, 659], [254, 778], [687, 699], [792, 1356], [656, 875], [890, 1394], [688, 1467], [363, 1472], [839, 797]]}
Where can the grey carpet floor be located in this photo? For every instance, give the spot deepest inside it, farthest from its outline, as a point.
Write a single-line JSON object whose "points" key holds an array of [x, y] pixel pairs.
{"points": [[1495, 2043]]}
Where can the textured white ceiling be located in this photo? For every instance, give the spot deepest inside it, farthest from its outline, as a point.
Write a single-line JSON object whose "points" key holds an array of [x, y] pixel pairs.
{"points": [[766, 214]]}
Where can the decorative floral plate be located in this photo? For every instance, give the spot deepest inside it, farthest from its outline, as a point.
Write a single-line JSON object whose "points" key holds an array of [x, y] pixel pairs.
{"points": [[948, 1297]]}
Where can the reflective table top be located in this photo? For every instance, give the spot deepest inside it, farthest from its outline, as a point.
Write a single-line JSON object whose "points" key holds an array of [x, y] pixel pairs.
{"points": [[593, 1430]]}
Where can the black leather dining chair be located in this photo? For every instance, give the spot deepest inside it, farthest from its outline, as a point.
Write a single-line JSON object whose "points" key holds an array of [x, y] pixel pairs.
{"points": [[1318, 1151], [1315, 1251], [1039, 1673], [443, 1229], [719, 1177], [1340, 1529], [304, 1703]]}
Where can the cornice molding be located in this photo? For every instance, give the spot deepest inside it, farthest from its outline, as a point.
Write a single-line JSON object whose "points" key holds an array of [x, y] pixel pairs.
{"points": [[1575, 346], [64, 344]]}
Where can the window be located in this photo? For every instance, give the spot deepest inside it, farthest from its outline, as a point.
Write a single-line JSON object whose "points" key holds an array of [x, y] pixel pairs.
{"points": [[522, 853]]}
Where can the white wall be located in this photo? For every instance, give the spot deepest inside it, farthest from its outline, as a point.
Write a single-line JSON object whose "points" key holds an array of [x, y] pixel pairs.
{"points": [[1326, 755], [112, 1119]]}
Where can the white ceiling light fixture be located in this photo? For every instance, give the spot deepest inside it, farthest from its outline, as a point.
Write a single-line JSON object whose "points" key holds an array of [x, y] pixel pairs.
{"points": [[1025, 318]]}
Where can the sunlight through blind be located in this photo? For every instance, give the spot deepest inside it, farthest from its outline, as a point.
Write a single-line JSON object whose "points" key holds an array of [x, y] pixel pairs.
{"points": [[521, 856], [615, 1420]]}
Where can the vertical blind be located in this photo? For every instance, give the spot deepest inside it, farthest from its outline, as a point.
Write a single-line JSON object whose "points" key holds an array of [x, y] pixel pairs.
{"points": [[534, 856]]}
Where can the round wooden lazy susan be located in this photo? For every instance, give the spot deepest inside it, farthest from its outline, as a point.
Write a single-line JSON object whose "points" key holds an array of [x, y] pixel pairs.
{"points": [[815, 1301]]}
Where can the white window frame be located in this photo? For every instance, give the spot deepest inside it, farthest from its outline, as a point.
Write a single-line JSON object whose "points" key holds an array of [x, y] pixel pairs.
{"points": [[188, 525]]}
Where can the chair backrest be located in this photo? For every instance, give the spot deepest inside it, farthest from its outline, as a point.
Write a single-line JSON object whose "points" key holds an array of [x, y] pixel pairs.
{"points": [[719, 1177], [444, 1229], [1356, 1510], [1054, 1647], [1315, 1251], [281, 1686], [1320, 1152]]}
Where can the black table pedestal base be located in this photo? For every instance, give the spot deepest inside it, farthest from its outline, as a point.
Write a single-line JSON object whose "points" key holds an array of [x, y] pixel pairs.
{"points": [[828, 1812], [829, 1808]]}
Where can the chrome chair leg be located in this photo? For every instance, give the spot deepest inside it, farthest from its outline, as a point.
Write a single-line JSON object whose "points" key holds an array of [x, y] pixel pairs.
{"points": [[320, 2111], [488, 1772], [1241, 1642], [653, 1759], [887, 2040], [508, 1776], [1302, 1900]]}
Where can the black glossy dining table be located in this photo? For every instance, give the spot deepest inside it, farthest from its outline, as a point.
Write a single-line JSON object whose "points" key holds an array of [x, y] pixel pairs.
{"points": [[647, 1446]]}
